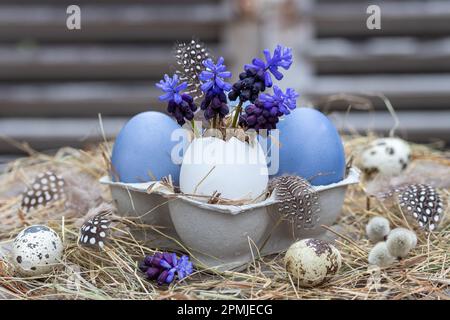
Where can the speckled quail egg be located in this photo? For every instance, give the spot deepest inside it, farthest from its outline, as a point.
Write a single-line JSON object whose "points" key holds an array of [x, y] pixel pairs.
{"points": [[388, 156], [312, 262], [36, 250]]}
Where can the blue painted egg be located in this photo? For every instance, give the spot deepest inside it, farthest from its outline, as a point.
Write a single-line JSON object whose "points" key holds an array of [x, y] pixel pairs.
{"points": [[143, 149], [310, 147]]}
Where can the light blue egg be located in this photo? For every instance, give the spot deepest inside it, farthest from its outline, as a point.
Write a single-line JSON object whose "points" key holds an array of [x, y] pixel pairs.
{"points": [[143, 148], [310, 147]]}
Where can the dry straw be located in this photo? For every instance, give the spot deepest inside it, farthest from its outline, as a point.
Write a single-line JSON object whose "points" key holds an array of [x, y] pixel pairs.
{"points": [[113, 274]]}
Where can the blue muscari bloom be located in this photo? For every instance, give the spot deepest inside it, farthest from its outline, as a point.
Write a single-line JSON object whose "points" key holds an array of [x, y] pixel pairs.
{"points": [[214, 75], [184, 267], [171, 88], [282, 57], [279, 101]]}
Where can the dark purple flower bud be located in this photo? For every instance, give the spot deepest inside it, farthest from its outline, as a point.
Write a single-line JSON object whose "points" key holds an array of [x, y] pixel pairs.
{"points": [[245, 95], [258, 117], [251, 120], [224, 110], [162, 277], [261, 120], [142, 266], [233, 95], [187, 98], [168, 257], [182, 110], [215, 104], [153, 273], [153, 260], [209, 114]]}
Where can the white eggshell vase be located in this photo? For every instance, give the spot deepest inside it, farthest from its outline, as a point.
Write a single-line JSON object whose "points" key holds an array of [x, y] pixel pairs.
{"points": [[235, 169]]}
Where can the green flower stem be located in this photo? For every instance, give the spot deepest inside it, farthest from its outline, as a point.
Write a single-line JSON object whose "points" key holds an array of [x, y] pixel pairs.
{"points": [[193, 128], [237, 113]]}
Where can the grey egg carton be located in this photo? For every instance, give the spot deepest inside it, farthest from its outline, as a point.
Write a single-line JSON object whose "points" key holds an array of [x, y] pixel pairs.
{"points": [[222, 237]]}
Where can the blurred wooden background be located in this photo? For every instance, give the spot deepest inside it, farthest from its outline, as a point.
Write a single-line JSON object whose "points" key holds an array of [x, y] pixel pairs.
{"points": [[54, 82]]}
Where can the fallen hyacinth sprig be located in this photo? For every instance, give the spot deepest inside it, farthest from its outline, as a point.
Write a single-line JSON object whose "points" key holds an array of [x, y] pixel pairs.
{"points": [[166, 267]]}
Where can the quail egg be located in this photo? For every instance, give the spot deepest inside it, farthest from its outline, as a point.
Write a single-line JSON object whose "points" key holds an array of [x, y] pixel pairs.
{"points": [[312, 262], [36, 250], [387, 156]]}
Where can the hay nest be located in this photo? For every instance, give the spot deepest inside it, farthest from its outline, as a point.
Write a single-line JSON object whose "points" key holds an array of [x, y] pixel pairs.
{"points": [[113, 273]]}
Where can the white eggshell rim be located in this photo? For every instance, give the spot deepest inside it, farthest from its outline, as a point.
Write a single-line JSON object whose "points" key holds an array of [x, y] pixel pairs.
{"points": [[352, 178]]}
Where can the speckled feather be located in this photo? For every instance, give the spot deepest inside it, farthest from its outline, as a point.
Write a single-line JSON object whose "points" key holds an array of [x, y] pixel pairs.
{"points": [[189, 59], [298, 200], [420, 201], [95, 231], [423, 203], [46, 188]]}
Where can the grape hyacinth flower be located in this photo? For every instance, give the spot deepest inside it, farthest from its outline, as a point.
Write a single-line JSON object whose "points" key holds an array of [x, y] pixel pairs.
{"points": [[266, 111], [164, 267], [180, 105], [283, 102], [214, 75], [282, 57], [214, 86], [257, 76], [172, 89]]}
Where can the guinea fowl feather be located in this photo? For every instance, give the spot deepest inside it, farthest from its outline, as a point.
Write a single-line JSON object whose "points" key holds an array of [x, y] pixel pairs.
{"points": [[419, 201], [189, 57], [297, 200]]}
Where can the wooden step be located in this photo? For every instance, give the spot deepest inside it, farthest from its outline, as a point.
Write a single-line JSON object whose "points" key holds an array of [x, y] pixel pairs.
{"points": [[43, 133], [83, 2], [380, 55], [78, 99], [419, 126], [400, 18], [126, 98], [107, 22], [405, 92], [87, 62]]}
